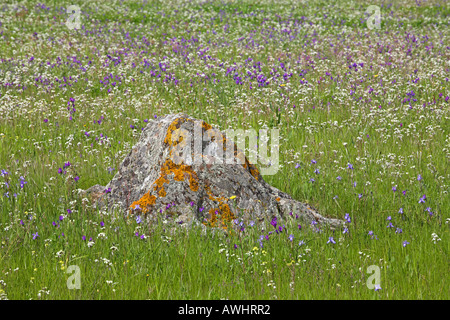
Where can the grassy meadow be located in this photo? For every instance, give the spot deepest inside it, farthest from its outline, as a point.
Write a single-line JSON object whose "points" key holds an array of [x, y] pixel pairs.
{"points": [[363, 116]]}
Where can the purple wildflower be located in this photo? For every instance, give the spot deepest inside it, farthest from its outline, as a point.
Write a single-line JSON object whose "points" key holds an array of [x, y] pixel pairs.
{"points": [[422, 199], [274, 222], [347, 217]]}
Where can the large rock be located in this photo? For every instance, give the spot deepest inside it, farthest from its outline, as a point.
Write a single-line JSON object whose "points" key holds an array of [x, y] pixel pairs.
{"points": [[168, 171]]}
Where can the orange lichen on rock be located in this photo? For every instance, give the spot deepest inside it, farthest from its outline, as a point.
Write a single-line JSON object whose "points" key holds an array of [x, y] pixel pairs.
{"points": [[206, 126], [223, 209], [172, 127], [226, 215], [180, 172], [176, 124], [144, 203], [253, 171]]}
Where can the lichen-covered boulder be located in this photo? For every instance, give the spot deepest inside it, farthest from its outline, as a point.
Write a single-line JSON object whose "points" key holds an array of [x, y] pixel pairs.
{"points": [[170, 170]]}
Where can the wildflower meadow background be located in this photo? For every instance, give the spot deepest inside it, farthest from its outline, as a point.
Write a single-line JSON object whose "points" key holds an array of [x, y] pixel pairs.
{"points": [[363, 114]]}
